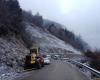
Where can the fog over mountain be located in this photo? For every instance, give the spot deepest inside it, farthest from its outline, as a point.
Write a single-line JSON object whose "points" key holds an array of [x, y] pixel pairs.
{"points": [[80, 16]]}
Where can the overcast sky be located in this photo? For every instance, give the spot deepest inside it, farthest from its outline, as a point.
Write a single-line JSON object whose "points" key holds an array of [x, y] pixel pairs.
{"points": [[80, 16]]}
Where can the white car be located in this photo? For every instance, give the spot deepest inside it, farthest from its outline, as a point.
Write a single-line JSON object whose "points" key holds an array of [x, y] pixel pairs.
{"points": [[46, 60], [48, 56]]}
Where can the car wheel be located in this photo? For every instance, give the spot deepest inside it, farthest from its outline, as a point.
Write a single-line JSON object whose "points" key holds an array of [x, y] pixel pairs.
{"points": [[42, 65], [38, 65]]}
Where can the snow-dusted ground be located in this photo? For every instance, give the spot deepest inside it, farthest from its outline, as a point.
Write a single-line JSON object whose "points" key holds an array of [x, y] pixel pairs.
{"points": [[7, 73], [8, 76], [12, 54], [84, 71]]}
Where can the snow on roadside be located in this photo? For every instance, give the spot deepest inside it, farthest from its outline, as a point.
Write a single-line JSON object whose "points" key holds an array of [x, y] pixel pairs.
{"points": [[7, 73]]}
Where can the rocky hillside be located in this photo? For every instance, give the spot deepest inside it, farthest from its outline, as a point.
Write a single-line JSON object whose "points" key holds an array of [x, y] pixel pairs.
{"points": [[47, 42], [12, 54]]}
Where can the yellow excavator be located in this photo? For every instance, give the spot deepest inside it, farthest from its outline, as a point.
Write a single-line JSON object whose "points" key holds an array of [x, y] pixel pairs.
{"points": [[34, 59]]}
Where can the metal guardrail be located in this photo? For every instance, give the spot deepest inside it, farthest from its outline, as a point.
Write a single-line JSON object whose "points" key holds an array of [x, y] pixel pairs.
{"points": [[93, 71]]}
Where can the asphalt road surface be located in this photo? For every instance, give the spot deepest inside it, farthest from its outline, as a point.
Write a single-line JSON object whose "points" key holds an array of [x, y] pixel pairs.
{"points": [[57, 70]]}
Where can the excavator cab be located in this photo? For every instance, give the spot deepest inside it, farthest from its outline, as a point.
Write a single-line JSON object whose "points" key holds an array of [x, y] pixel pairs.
{"points": [[34, 51]]}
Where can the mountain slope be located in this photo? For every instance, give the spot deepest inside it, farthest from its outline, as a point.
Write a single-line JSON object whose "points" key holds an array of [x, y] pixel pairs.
{"points": [[45, 40], [64, 34]]}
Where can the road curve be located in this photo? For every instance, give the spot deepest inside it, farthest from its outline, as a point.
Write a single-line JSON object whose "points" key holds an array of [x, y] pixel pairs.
{"points": [[57, 70]]}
